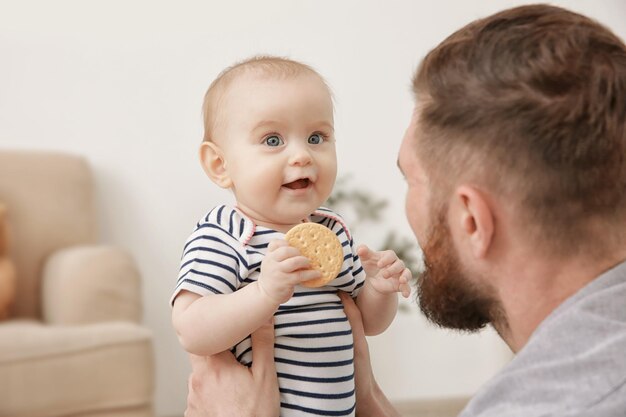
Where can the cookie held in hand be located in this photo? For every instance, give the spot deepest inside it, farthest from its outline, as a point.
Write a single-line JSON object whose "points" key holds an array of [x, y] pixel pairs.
{"points": [[321, 246]]}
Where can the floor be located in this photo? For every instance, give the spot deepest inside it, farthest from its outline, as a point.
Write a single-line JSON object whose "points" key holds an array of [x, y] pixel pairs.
{"points": [[444, 407]]}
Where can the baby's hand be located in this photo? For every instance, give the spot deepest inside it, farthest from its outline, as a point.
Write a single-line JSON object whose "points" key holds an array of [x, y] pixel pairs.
{"points": [[385, 271], [282, 269]]}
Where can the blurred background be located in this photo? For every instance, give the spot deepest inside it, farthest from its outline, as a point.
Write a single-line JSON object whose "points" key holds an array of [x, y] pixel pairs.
{"points": [[121, 83]]}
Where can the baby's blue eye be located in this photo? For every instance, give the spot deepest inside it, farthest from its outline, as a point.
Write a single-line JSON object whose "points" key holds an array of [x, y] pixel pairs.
{"points": [[316, 139], [273, 141]]}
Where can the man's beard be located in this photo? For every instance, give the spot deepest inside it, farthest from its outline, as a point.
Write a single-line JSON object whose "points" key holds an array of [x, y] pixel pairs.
{"points": [[446, 295]]}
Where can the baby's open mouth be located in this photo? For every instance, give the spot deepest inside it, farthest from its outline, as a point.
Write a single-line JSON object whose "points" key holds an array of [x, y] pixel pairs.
{"points": [[298, 184]]}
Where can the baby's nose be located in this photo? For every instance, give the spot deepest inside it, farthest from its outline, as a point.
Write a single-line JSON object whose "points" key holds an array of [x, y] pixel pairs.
{"points": [[300, 156]]}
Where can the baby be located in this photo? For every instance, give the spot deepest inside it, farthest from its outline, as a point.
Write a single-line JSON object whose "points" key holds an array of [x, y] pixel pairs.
{"points": [[269, 138]]}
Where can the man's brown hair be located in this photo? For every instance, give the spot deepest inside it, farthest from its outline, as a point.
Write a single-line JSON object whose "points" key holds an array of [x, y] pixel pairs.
{"points": [[531, 102]]}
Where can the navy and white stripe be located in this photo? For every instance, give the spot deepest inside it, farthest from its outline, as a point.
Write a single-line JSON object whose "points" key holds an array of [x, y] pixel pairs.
{"points": [[313, 349]]}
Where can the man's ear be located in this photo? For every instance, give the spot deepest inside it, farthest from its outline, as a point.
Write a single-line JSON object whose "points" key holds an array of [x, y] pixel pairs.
{"points": [[477, 219], [214, 164]]}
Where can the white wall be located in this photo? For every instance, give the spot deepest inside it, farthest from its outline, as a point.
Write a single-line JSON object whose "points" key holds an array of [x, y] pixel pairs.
{"points": [[121, 82]]}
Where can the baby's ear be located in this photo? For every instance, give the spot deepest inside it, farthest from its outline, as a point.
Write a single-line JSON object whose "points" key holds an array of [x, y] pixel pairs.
{"points": [[212, 160]]}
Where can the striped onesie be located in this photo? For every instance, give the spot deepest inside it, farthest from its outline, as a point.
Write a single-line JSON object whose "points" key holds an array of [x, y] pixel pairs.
{"points": [[313, 348]]}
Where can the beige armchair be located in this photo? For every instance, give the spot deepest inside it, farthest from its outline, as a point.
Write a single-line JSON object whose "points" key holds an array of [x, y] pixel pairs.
{"points": [[73, 345]]}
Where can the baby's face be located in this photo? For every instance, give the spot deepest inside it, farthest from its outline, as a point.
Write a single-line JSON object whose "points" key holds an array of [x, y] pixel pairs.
{"points": [[278, 141]]}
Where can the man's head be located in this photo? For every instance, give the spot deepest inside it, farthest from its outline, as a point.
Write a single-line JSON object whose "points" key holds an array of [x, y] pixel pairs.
{"points": [[525, 108], [269, 137]]}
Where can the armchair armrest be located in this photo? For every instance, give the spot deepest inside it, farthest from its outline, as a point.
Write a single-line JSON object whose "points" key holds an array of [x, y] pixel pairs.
{"points": [[90, 284]]}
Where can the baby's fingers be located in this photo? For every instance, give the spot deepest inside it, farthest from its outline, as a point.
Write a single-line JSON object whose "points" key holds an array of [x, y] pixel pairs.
{"points": [[405, 290], [365, 253], [395, 269], [283, 252], [295, 263], [307, 274], [386, 258], [398, 285], [404, 281], [275, 244]]}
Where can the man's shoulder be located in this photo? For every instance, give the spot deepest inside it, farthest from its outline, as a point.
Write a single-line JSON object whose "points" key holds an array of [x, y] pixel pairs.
{"points": [[574, 363], [611, 405]]}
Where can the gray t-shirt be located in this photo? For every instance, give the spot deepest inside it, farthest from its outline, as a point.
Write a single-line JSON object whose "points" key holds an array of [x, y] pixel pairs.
{"points": [[574, 364]]}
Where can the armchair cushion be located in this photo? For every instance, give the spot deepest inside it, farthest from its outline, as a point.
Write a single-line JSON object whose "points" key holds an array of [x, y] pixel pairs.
{"points": [[90, 284], [60, 370]]}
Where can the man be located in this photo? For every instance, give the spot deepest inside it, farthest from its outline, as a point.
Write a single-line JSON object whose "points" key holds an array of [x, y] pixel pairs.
{"points": [[515, 161]]}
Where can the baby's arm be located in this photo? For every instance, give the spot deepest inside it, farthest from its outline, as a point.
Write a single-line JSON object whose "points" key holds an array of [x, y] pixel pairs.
{"points": [[214, 323], [386, 275], [210, 324]]}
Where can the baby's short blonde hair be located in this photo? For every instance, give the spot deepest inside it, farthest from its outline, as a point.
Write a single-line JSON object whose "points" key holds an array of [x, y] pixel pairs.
{"points": [[267, 65]]}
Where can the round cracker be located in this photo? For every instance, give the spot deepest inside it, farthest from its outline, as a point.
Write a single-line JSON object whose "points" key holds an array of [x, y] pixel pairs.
{"points": [[318, 243]]}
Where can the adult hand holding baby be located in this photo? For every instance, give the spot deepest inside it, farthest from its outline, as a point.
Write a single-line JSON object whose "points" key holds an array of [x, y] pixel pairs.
{"points": [[236, 390]]}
